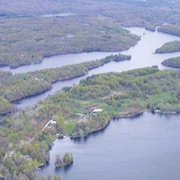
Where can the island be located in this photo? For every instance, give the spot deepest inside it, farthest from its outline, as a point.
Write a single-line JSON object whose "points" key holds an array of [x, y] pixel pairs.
{"points": [[169, 47], [67, 160], [172, 62]]}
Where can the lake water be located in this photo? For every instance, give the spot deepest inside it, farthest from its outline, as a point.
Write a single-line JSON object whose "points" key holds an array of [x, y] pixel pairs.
{"points": [[142, 148], [142, 56]]}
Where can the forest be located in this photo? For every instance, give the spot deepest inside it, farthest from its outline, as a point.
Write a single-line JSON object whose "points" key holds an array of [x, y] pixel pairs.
{"points": [[31, 30], [170, 29], [18, 86], [25, 140], [91, 26], [28, 40], [169, 47]]}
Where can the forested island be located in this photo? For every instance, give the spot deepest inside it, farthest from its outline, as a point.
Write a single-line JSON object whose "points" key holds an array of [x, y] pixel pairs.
{"points": [[67, 160], [172, 62], [170, 29], [83, 109], [169, 47]]}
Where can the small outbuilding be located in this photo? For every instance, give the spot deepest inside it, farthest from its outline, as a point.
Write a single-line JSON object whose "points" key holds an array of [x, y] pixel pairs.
{"points": [[97, 110]]}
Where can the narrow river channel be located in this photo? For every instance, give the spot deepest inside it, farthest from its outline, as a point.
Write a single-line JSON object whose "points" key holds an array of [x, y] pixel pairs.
{"points": [[142, 56]]}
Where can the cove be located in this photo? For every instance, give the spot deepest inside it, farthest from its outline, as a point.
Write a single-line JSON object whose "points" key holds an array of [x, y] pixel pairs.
{"points": [[142, 56], [144, 147]]}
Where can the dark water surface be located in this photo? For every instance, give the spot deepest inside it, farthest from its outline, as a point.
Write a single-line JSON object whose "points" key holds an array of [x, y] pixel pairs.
{"points": [[142, 148]]}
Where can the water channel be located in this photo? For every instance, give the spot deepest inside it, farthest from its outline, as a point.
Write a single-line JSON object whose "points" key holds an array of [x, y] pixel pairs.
{"points": [[145, 147], [142, 56]]}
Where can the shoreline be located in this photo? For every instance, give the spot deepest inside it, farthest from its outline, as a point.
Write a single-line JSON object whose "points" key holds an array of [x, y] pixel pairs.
{"points": [[99, 130], [133, 115], [61, 54], [88, 66], [128, 115]]}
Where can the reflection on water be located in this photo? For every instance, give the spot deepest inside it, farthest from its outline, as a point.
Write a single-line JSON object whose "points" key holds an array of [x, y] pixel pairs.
{"points": [[64, 169]]}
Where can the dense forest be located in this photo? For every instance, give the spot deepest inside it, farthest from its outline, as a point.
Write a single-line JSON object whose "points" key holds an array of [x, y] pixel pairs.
{"points": [[77, 26], [28, 40], [25, 140]]}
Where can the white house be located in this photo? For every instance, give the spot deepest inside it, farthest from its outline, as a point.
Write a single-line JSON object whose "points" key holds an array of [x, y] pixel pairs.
{"points": [[97, 110]]}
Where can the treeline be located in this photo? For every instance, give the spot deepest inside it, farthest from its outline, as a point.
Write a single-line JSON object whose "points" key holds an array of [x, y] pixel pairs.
{"points": [[170, 29], [147, 13], [114, 94], [28, 39], [172, 62], [169, 47], [19, 86]]}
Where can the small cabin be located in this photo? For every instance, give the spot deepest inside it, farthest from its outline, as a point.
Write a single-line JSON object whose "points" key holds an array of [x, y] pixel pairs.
{"points": [[53, 122], [97, 110]]}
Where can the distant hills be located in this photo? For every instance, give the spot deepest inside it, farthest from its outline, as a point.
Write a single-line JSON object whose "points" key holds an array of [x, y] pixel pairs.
{"points": [[145, 11]]}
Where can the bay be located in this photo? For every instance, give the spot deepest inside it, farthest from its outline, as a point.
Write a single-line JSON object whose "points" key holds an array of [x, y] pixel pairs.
{"points": [[145, 147]]}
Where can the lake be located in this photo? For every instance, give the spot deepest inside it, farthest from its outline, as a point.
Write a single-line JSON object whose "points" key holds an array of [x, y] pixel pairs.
{"points": [[145, 147], [142, 148], [142, 56]]}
